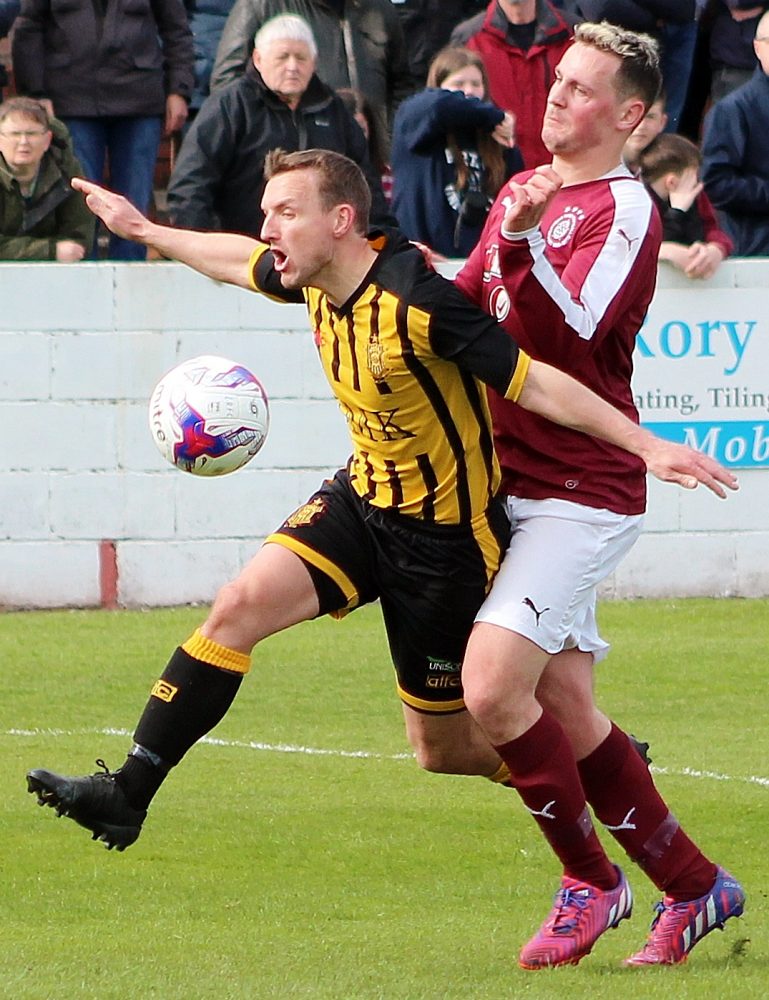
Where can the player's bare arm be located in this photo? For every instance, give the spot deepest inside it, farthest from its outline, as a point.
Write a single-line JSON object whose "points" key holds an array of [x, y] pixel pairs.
{"points": [[531, 199], [555, 395], [221, 256]]}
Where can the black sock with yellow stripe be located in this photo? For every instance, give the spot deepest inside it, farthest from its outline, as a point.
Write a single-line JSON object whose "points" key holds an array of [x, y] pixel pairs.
{"points": [[193, 694]]}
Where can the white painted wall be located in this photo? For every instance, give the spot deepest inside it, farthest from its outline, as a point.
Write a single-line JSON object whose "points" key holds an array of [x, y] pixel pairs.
{"points": [[81, 347]]}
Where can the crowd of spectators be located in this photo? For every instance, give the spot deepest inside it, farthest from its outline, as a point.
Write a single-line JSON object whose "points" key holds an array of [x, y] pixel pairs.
{"points": [[278, 102], [120, 79], [452, 151]]}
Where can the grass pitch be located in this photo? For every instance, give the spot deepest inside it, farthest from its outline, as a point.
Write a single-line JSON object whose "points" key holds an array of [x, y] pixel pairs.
{"points": [[301, 852]]}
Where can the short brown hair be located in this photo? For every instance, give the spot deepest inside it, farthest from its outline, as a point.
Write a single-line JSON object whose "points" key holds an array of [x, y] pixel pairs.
{"points": [[668, 154], [26, 106], [340, 180], [639, 71]]}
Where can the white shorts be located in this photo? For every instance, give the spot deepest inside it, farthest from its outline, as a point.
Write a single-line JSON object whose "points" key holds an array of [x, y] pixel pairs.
{"points": [[546, 587]]}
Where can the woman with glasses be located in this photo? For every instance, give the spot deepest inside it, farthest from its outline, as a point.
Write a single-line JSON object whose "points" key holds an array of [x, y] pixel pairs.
{"points": [[41, 217]]}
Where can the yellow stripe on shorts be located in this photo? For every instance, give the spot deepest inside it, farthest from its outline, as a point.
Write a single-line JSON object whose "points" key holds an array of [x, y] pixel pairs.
{"points": [[340, 578], [435, 707]]}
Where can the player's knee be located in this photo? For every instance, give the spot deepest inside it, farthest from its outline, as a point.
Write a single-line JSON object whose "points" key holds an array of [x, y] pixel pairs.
{"points": [[437, 757], [571, 703], [481, 700], [243, 607], [232, 602]]}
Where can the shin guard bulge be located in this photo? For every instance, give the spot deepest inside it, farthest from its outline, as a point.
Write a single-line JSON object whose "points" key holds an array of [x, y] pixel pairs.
{"points": [[193, 694]]}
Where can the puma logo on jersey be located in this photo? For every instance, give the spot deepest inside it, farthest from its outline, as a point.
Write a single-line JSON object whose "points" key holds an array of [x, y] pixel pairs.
{"points": [[530, 604], [630, 240]]}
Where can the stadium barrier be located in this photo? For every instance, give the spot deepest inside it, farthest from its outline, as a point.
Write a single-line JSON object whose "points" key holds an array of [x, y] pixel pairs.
{"points": [[91, 515]]}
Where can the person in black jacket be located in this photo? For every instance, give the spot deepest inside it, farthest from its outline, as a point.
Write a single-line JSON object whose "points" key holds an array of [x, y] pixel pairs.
{"points": [[731, 27], [427, 24], [362, 46], [117, 73], [218, 178], [670, 168]]}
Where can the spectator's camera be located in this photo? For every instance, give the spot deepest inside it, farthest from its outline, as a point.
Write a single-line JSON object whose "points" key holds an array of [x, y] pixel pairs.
{"points": [[474, 209]]}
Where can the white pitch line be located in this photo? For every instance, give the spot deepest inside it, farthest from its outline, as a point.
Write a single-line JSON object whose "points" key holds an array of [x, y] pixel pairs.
{"points": [[690, 772], [684, 772], [213, 741]]}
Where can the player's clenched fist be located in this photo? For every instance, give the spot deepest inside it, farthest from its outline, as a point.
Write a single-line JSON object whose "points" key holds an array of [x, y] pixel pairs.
{"points": [[531, 199]]}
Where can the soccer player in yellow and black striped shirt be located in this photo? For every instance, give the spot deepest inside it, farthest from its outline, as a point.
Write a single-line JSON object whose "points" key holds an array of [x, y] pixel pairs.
{"points": [[412, 520]]}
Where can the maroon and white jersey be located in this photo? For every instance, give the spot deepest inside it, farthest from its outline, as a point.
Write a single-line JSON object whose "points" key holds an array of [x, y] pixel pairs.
{"points": [[573, 293]]}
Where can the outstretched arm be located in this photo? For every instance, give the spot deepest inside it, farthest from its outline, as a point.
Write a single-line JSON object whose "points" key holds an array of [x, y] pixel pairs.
{"points": [[221, 256], [553, 394], [472, 340]]}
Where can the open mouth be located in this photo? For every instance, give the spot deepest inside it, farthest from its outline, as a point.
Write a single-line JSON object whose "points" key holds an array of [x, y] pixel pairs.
{"points": [[280, 259]]}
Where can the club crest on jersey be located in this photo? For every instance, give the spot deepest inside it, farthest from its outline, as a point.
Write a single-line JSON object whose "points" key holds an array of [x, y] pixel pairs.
{"points": [[375, 359], [562, 229], [499, 303], [306, 514]]}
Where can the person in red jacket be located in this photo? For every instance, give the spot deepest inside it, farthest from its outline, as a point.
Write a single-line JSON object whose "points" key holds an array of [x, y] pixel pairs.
{"points": [[521, 42]]}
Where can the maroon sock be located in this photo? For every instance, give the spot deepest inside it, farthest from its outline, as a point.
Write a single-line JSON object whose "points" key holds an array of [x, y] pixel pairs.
{"points": [[544, 772], [621, 792]]}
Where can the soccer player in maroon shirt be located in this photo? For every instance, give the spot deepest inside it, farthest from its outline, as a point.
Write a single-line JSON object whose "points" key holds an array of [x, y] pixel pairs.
{"points": [[567, 262]]}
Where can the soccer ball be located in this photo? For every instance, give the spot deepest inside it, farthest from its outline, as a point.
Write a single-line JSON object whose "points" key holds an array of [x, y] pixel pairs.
{"points": [[209, 416]]}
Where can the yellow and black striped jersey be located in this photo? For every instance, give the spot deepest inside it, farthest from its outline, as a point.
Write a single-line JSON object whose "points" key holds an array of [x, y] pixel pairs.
{"points": [[405, 357]]}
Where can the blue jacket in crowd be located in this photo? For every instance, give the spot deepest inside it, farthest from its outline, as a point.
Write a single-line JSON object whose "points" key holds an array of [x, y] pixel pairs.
{"points": [[207, 19], [426, 202], [735, 168], [8, 11]]}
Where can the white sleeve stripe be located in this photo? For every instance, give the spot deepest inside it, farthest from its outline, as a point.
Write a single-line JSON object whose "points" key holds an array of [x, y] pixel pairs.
{"points": [[609, 270]]}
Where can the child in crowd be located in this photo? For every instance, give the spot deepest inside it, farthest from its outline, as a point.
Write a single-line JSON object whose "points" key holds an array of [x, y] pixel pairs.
{"points": [[691, 241], [452, 151], [653, 123]]}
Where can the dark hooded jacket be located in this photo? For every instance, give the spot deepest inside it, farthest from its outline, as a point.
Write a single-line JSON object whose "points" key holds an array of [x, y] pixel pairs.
{"points": [[218, 179], [360, 45], [735, 164], [95, 60], [427, 201]]}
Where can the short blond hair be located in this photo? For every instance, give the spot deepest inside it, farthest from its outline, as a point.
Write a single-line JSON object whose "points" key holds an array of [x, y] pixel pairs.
{"points": [[639, 72]]}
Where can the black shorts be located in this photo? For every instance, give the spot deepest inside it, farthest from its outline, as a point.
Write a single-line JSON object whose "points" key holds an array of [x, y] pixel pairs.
{"points": [[430, 580]]}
